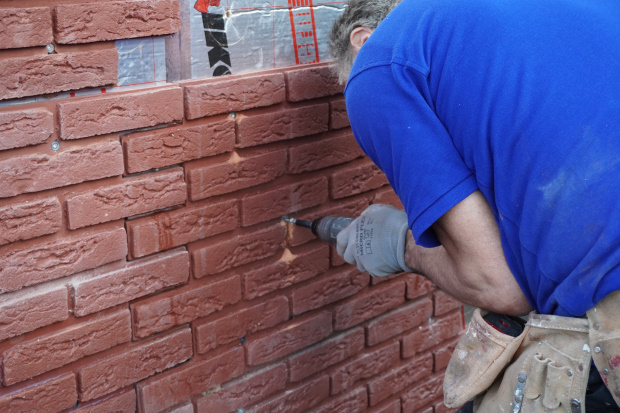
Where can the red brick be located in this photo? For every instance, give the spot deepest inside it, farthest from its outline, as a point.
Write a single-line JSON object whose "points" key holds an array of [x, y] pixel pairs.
{"points": [[34, 263], [328, 289], [311, 83], [77, 163], [124, 402], [51, 395], [164, 311], [399, 378], [378, 280], [387, 196], [368, 305], [338, 114], [398, 321], [356, 179], [21, 75], [137, 195], [186, 408], [174, 145], [246, 391], [293, 336], [208, 179], [288, 270], [105, 113], [168, 389], [106, 287], [422, 394], [336, 259], [24, 127], [265, 127], [113, 20], [29, 219], [170, 229], [417, 286], [352, 402], [345, 208], [45, 353], [380, 359], [326, 354], [443, 354], [32, 308], [321, 153], [233, 93], [298, 399], [134, 364], [221, 255], [391, 407], [25, 27], [234, 326], [438, 330], [444, 303], [273, 203]]}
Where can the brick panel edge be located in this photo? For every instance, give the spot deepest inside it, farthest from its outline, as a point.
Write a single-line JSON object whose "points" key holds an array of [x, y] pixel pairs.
{"points": [[117, 112], [113, 20]]}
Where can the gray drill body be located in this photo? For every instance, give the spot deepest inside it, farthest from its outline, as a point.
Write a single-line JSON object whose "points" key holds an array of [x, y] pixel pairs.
{"points": [[328, 228]]}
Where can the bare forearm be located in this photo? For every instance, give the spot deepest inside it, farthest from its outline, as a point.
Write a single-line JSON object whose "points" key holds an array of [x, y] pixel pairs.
{"points": [[496, 290]]}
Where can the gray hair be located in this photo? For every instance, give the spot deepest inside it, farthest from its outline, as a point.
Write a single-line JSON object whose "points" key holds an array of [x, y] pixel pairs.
{"points": [[359, 13]]}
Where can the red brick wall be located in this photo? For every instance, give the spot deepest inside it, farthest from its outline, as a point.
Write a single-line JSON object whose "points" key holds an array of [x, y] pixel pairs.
{"points": [[149, 270]]}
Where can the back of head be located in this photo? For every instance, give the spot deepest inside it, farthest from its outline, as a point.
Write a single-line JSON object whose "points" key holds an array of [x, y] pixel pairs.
{"points": [[359, 13]]}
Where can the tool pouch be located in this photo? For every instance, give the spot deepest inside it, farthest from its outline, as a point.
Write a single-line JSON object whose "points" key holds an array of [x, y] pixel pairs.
{"points": [[605, 341], [549, 370], [478, 359]]}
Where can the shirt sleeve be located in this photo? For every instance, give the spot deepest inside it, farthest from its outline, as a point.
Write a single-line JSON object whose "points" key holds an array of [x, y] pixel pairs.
{"points": [[394, 123]]}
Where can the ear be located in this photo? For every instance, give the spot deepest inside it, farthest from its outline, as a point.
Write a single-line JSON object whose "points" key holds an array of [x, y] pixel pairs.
{"points": [[358, 37]]}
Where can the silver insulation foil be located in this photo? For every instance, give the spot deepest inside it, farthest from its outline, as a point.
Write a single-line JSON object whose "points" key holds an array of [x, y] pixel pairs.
{"points": [[220, 37]]}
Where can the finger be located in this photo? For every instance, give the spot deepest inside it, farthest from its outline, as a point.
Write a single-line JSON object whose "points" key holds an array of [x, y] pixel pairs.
{"points": [[349, 254], [342, 240]]}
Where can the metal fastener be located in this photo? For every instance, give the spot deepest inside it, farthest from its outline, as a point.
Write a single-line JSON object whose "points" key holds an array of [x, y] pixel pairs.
{"points": [[605, 372], [233, 114], [597, 349], [569, 372], [521, 378], [575, 406], [50, 48], [55, 146]]}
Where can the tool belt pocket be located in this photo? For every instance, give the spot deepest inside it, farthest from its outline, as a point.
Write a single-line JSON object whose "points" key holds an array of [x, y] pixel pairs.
{"points": [[605, 341], [549, 383], [479, 357], [549, 372], [606, 356]]}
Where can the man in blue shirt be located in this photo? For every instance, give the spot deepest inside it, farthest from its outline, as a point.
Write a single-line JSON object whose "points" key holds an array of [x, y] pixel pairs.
{"points": [[497, 123]]}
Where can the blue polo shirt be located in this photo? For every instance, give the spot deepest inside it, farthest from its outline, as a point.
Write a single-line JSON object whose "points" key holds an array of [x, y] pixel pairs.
{"points": [[519, 99]]}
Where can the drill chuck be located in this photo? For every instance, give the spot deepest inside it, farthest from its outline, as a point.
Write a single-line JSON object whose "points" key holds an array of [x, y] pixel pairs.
{"points": [[325, 228]]}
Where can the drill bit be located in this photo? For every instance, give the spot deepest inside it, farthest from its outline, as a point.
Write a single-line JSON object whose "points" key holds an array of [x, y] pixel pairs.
{"points": [[298, 222]]}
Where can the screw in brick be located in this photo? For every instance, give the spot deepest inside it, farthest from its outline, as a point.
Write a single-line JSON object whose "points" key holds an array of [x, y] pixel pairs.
{"points": [[50, 48], [233, 115], [55, 146]]}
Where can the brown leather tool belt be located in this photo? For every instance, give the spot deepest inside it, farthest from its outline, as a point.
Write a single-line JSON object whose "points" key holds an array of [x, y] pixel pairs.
{"points": [[544, 369]]}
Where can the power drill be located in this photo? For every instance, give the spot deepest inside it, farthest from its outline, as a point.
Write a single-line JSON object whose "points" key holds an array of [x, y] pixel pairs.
{"points": [[325, 228]]}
